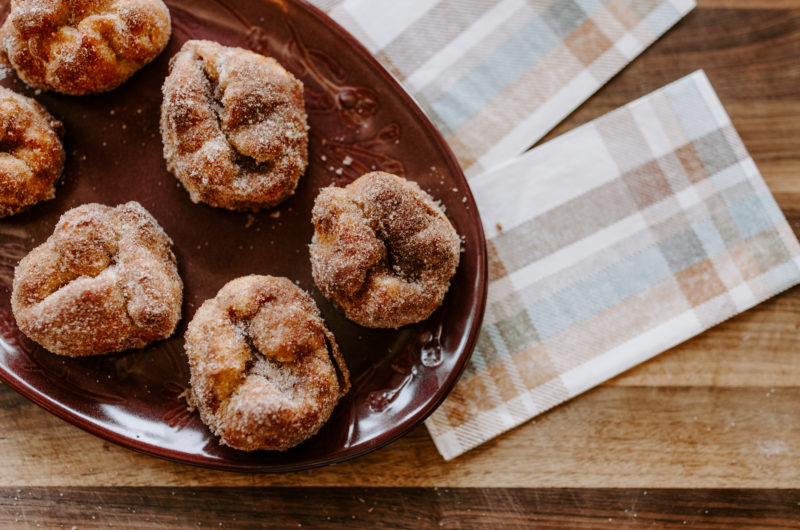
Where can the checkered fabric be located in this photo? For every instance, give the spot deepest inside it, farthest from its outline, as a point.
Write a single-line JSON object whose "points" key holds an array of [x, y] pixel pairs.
{"points": [[609, 245], [496, 75]]}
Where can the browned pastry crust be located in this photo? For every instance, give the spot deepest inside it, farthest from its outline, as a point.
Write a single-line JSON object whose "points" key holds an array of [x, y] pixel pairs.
{"points": [[265, 372], [233, 124], [382, 250], [105, 280], [31, 153], [83, 46]]}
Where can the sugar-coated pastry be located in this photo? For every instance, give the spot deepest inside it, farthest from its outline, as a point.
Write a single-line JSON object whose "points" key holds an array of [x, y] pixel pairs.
{"points": [[83, 46], [105, 281], [265, 372], [233, 124], [383, 251], [31, 153]]}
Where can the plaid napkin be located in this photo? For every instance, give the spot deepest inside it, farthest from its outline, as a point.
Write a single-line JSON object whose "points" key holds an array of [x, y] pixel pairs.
{"points": [[496, 75], [609, 245]]}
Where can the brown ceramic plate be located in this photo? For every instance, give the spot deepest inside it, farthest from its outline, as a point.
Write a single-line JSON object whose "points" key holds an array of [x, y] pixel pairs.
{"points": [[356, 112]]}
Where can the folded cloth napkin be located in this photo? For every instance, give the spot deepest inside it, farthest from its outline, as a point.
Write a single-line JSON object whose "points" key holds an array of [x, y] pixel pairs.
{"points": [[609, 245], [496, 75]]}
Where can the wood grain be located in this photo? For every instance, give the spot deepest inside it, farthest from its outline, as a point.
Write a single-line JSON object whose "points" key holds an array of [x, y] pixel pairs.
{"points": [[612, 436], [758, 348], [720, 411], [411, 508]]}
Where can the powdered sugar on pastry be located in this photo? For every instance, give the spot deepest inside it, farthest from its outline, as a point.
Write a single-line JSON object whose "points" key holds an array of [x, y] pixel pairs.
{"points": [[382, 250], [31, 153], [234, 126], [265, 372], [106, 280], [83, 46]]}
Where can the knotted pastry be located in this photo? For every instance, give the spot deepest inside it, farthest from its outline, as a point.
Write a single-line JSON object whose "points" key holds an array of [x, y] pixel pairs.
{"points": [[382, 250], [265, 372], [83, 46], [233, 124], [105, 281], [31, 153]]}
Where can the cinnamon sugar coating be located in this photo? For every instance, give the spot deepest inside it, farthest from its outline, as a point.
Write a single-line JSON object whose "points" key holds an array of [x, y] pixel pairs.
{"points": [[382, 250], [106, 280], [265, 372], [31, 153], [83, 46], [234, 126]]}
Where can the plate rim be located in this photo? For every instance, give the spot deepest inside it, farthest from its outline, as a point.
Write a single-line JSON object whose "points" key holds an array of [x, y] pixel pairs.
{"points": [[399, 430]]}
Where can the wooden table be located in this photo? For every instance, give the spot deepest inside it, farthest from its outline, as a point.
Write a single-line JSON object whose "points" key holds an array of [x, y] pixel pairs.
{"points": [[705, 435]]}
